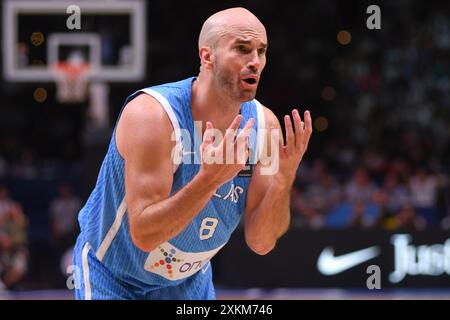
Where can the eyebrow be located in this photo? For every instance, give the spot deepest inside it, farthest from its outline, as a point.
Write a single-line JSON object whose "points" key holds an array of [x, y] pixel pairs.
{"points": [[242, 41]]}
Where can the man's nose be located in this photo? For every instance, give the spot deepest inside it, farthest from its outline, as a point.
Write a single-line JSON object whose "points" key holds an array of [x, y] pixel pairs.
{"points": [[254, 62]]}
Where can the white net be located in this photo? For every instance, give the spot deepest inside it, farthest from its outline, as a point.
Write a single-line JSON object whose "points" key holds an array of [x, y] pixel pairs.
{"points": [[71, 82]]}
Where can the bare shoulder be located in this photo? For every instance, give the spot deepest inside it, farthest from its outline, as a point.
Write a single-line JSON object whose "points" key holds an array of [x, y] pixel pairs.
{"points": [[143, 138], [143, 124]]}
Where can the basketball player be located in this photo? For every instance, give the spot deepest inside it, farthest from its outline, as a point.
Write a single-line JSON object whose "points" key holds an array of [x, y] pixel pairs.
{"points": [[151, 225]]}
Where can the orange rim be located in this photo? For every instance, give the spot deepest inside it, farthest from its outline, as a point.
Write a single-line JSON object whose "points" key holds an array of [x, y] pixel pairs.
{"points": [[71, 69]]}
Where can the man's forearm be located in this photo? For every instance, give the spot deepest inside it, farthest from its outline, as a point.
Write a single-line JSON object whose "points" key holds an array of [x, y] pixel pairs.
{"points": [[165, 219], [270, 220]]}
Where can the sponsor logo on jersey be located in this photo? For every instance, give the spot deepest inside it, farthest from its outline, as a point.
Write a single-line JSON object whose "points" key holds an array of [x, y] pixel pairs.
{"points": [[175, 264]]}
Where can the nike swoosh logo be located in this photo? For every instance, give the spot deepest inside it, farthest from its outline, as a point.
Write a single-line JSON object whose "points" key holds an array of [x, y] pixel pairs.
{"points": [[206, 268], [330, 265]]}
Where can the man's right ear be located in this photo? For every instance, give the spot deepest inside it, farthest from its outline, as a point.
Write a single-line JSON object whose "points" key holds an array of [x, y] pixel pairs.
{"points": [[206, 57]]}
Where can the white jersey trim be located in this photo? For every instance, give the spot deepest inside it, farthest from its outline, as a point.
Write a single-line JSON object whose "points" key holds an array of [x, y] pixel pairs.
{"points": [[112, 231], [87, 283], [261, 129], [177, 154]]}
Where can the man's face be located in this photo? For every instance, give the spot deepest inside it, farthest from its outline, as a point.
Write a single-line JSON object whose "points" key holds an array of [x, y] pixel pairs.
{"points": [[240, 59]]}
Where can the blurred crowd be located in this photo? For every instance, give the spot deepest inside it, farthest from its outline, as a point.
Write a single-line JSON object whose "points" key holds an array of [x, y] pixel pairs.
{"points": [[17, 252], [13, 241], [388, 164], [395, 199]]}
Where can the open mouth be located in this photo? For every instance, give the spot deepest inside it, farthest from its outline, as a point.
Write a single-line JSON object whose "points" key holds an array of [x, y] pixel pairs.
{"points": [[250, 80]]}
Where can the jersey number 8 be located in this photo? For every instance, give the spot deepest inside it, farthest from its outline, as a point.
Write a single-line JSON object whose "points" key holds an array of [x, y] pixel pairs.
{"points": [[208, 227]]}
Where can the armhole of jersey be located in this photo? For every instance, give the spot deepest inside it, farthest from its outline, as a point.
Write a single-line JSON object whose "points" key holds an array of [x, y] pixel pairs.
{"points": [[176, 154], [261, 129]]}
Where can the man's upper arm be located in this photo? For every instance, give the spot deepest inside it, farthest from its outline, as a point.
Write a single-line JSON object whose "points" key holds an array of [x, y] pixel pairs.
{"points": [[143, 139], [259, 182]]}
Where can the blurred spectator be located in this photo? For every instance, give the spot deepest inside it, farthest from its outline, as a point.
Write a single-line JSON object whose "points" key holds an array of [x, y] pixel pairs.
{"points": [[360, 189], [400, 169], [374, 160], [13, 263], [397, 194], [15, 226], [324, 194], [63, 213], [408, 219], [12, 217], [357, 217], [424, 188], [321, 197], [385, 212], [302, 215], [311, 172], [13, 241], [63, 217], [362, 216]]}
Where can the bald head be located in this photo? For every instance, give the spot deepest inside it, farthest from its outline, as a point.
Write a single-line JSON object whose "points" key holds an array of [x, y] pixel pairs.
{"points": [[226, 21], [232, 49]]}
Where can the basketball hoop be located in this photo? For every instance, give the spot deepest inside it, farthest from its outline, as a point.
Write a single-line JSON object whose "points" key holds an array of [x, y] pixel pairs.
{"points": [[71, 81]]}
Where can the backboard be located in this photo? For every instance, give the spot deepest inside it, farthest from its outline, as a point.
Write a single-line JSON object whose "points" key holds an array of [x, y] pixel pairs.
{"points": [[111, 39]]}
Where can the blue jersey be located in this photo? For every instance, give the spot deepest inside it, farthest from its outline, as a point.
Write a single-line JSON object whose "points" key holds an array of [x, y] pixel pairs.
{"points": [[104, 223]]}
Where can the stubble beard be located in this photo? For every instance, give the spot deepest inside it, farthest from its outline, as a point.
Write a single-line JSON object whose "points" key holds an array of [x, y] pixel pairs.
{"points": [[230, 86]]}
